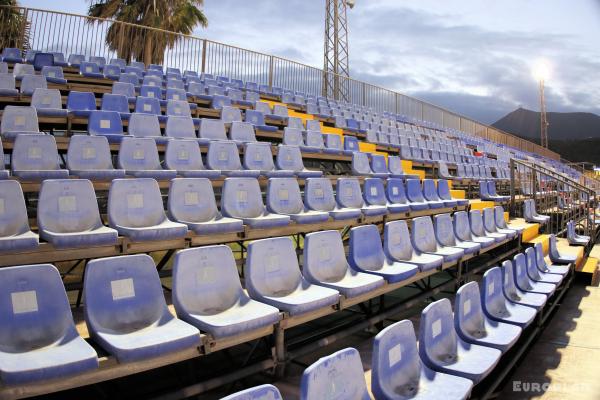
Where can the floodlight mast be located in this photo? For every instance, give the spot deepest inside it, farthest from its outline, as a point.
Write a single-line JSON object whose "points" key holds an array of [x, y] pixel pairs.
{"points": [[336, 68]]}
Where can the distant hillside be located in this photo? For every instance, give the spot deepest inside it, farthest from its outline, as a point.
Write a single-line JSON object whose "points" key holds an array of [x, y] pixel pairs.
{"points": [[575, 136], [563, 126]]}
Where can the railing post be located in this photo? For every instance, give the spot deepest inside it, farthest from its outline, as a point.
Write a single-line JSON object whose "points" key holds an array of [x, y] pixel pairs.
{"points": [[21, 40], [512, 188], [270, 72], [204, 44]]}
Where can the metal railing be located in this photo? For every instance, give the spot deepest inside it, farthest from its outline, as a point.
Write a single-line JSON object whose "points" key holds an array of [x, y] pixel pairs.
{"points": [[70, 33]]}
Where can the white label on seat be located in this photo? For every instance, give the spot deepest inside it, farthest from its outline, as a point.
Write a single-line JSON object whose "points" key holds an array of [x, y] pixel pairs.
{"points": [[51, 74], [105, 123], [183, 155], [177, 110], [258, 157], [283, 194], [319, 194], [150, 94], [518, 269], [147, 107], [349, 192], [395, 191], [67, 204], [152, 83], [122, 289], [207, 274], [19, 120], [191, 198], [223, 156], [490, 288], [242, 196], [436, 328], [1, 206], [288, 157], [46, 100], [34, 152], [138, 154], [88, 69], [272, 263], [24, 302], [325, 253], [466, 307], [88, 153], [395, 355], [373, 191], [175, 97], [135, 200]]}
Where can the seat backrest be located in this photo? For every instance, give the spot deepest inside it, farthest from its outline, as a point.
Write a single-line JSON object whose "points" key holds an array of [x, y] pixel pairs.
{"points": [[444, 230], [212, 129], [493, 297], [255, 117], [115, 102], [280, 110], [520, 271], [531, 261], [476, 220], [262, 107], [105, 123], [242, 131], [124, 88], [135, 203], [378, 164], [33, 152], [100, 61], [196, 88], [175, 90], [527, 212], [508, 281], [35, 311], [121, 63], [333, 141], [130, 78], [443, 189], [147, 105], [552, 250], [152, 92], [324, 256], [360, 164], [338, 376], [258, 156], [152, 80], [143, 125], [138, 154], [489, 219], [348, 193], [414, 191], [272, 268], [374, 192], [191, 200], [11, 52], [13, 212], [397, 244], [314, 139], [437, 337], [32, 82], [88, 153], [395, 191], [241, 198], [395, 165], [422, 235], [396, 364], [219, 99], [499, 217], [292, 137], [283, 196], [492, 188], [178, 108], [112, 70], [483, 190], [295, 123], [20, 70], [67, 206], [19, 119], [230, 114], [429, 190], [183, 155], [46, 99], [123, 294], [365, 249], [261, 392], [289, 158], [350, 143], [223, 155], [468, 314], [53, 72], [313, 125], [76, 59], [81, 101], [318, 194], [179, 127]]}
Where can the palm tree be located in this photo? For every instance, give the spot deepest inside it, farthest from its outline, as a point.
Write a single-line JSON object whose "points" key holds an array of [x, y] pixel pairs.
{"points": [[12, 31], [147, 45]]}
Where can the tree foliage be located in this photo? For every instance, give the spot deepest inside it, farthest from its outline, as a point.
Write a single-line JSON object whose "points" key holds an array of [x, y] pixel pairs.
{"points": [[14, 28]]}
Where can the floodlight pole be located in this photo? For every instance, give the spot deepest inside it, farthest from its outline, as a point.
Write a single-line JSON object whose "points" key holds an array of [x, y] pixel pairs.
{"points": [[543, 118], [336, 68]]}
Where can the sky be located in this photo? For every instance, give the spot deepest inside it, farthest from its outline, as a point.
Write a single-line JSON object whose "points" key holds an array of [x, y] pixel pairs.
{"points": [[473, 57]]}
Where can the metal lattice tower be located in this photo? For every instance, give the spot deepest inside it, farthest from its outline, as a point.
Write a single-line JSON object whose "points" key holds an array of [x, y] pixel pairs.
{"points": [[336, 50], [543, 120]]}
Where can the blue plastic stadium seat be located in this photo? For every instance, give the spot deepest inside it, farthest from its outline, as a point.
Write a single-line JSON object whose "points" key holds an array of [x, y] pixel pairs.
{"points": [[366, 255], [431, 196], [333, 144], [224, 156], [318, 196], [379, 166], [35, 158], [211, 130], [398, 373], [414, 194], [121, 63], [116, 102], [7, 85], [289, 158], [107, 124], [293, 137], [125, 89], [443, 190], [374, 195], [207, 294], [495, 304], [48, 103], [68, 215], [573, 237], [192, 202], [4, 174], [258, 156], [514, 294], [135, 210], [20, 70], [556, 256], [184, 157], [126, 312], [231, 114], [39, 338], [179, 108], [150, 91], [90, 70], [242, 199], [17, 120], [443, 350], [12, 55], [284, 198], [89, 157], [242, 132], [273, 277], [146, 125], [531, 215], [478, 229], [325, 264], [152, 80], [473, 326], [130, 78], [492, 192], [463, 232], [524, 282], [338, 376], [182, 128], [535, 274], [75, 60], [139, 158], [257, 119], [501, 223], [424, 241], [99, 61], [350, 143], [15, 234], [32, 82], [360, 165], [314, 141], [444, 233], [81, 104], [148, 105], [489, 223], [256, 393], [398, 247], [396, 196], [349, 196], [112, 72]]}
